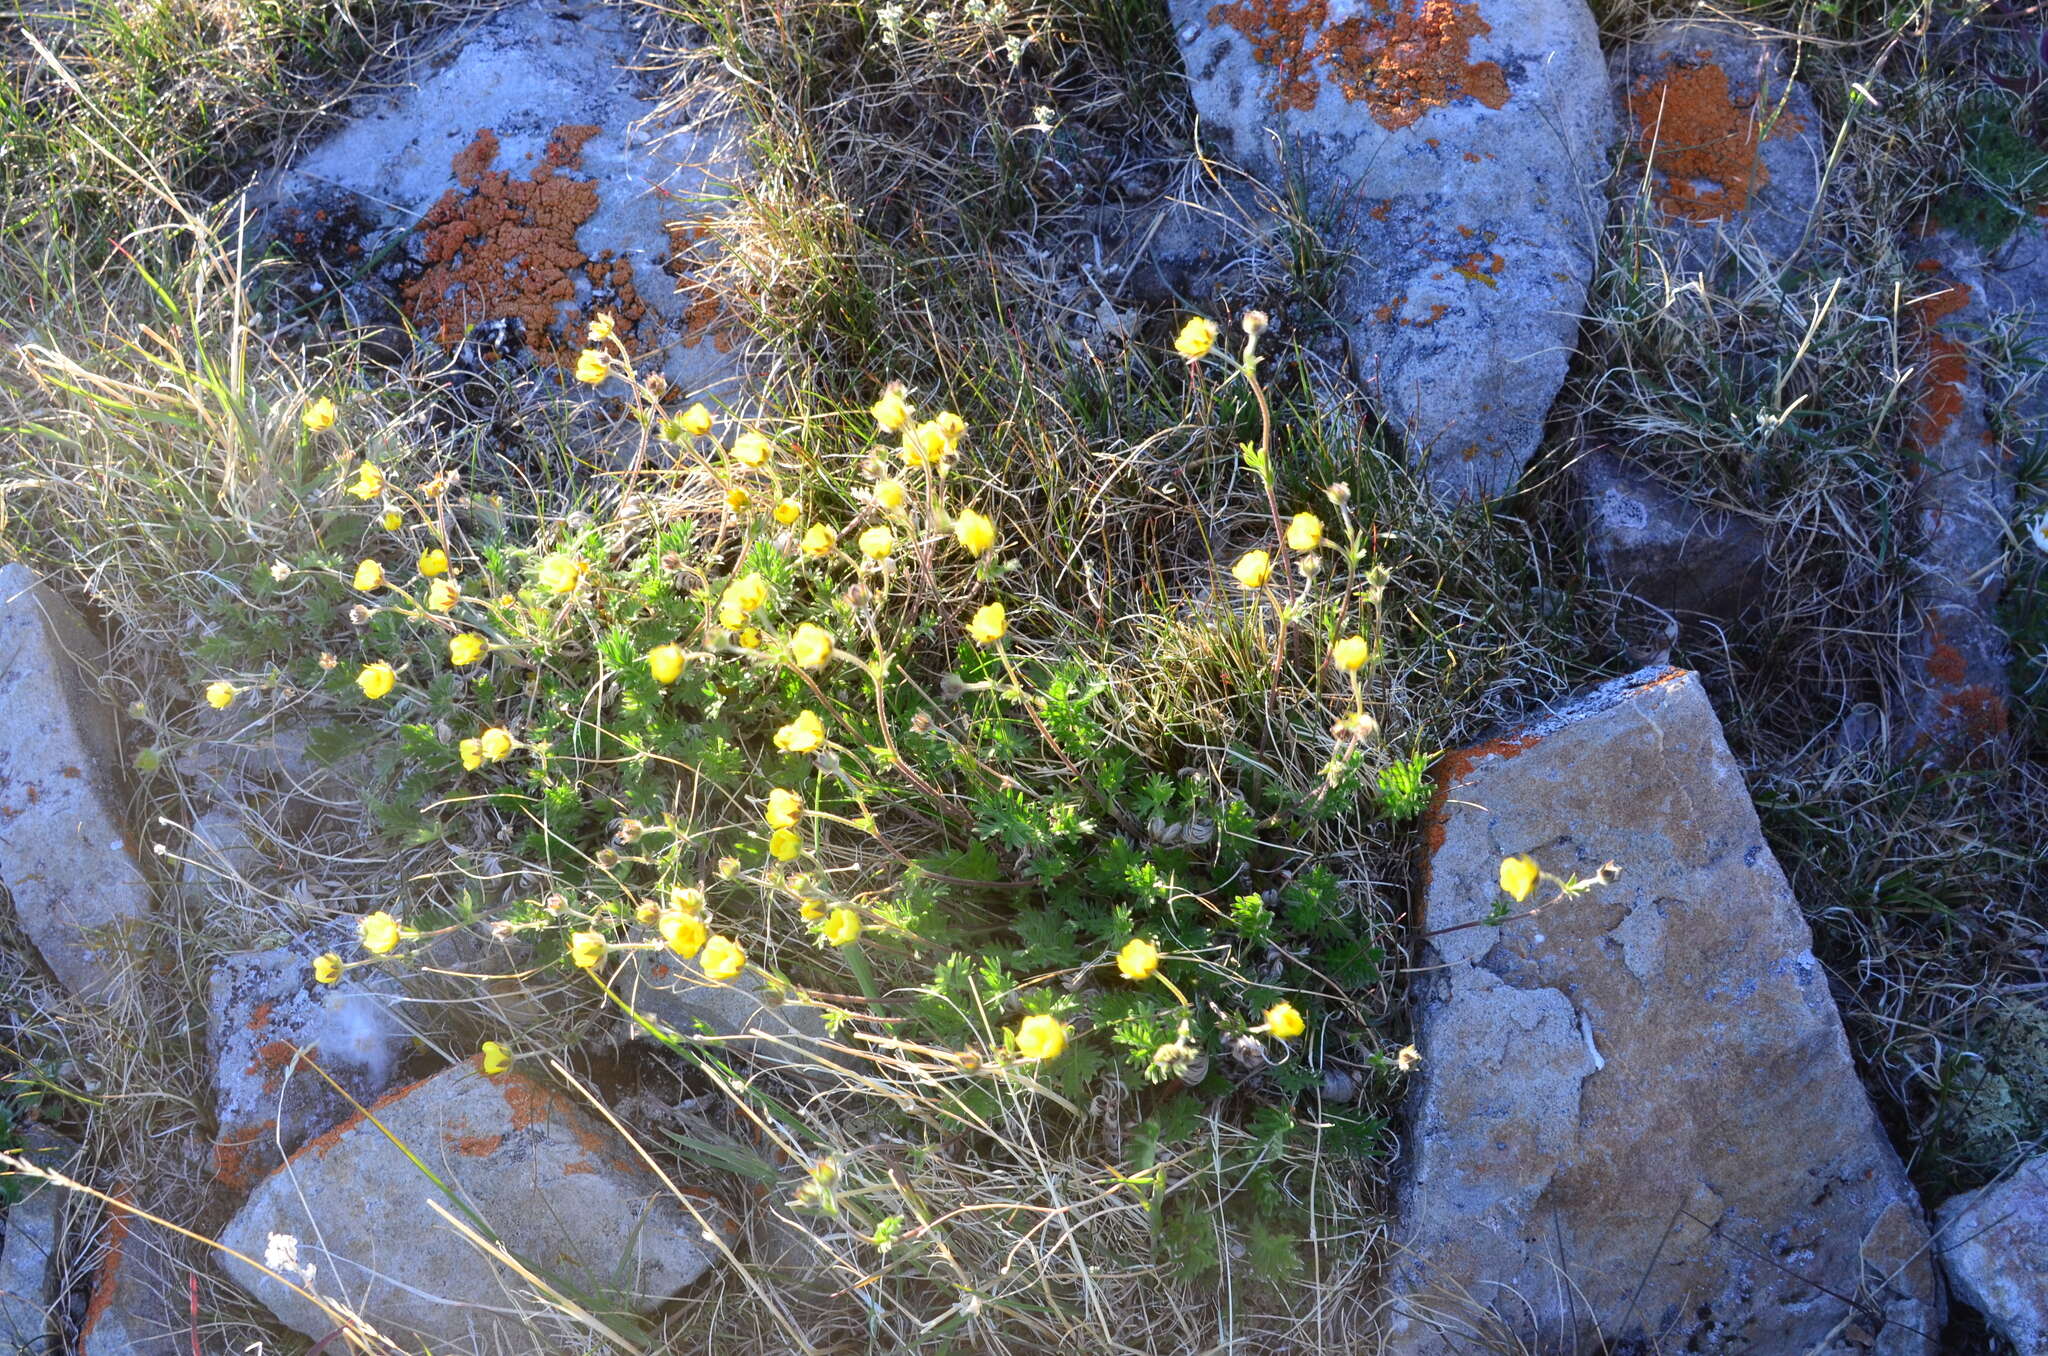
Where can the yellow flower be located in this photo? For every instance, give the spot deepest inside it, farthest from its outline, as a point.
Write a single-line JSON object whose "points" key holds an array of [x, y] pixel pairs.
{"points": [[496, 744], [696, 420], [327, 968], [467, 648], [472, 751], [802, 735], [1283, 1021], [591, 368], [951, 426], [891, 411], [784, 845], [433, 562], [378, 931], [1351, 653], [369, 576], [688, 898], [376, 680], [392, 520], [560, 574], [1407, 1058], [665, 662], [819, 540], [1304, 532], [749, 638], [586, 949], [811, 646], [810, 910], [990, 624], [752, 449], [1518, 876], [220, 693], [975, 533], [603, 328], [877, 542], [1040, 1036], [1196, 338], [737, 499], [722, 958], [784, 809], [443, 595], [1138, 960], [891, 495], [788, 511], [925, 445], [742, 598], [497, 1058], [841, 927], [319, 416], [684, 932], [1253, 569], [369, 481]]}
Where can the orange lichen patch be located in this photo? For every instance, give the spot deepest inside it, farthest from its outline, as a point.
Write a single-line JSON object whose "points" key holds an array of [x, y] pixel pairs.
{"points": [[1400, 60], [500, 248], [319, 1145], [1976, 714], [529, 1102], [1944, 366], [260, 1018], [1454, 767], [477, 1146], [1700, 140], [234, 1159], [110, 1269], [1482, 268]]}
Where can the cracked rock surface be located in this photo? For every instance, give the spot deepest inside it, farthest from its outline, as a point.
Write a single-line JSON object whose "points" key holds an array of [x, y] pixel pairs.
{"points": [[1637, 1119]]}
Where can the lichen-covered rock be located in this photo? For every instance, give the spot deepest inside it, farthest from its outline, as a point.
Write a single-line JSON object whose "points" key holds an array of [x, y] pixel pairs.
{"points": [[1637, 1124], [2018, 289], [746, 1015], [351, 1216], [138, 1305], [1994, 1248], [1464, 143], [539, 179], [1682, 556], [272, 1029], [65, 852], [1724, 144], [29, 1261], [1954, 695]]}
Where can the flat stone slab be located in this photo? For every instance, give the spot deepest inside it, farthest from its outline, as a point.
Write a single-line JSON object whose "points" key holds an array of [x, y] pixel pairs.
{"points": [[271, 1029], [66, 853], [1637, 1121], [552, 1183], [544, 188], [1994, 1248], [740, 1015], [1464, 144], [29, 1269]]}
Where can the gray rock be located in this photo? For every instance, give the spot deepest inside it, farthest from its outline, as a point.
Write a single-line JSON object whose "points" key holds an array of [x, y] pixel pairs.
{"points": [[139, 1305], [2018, 288], [1636, 1123], [1725, 146], [29, 1263], [66, 854], [1994, 1248], [1462, 147], [746, 1015], [1682, 556], [524, 74], [1953, 695], [271, 1029], [551, 1183], [219, 851]]}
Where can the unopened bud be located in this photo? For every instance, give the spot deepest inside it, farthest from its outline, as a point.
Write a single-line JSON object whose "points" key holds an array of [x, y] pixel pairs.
{"points": [[1255, 323]]}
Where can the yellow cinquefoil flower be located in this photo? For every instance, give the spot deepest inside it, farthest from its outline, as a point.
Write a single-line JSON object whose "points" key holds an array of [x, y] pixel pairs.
{"points": [[1138, 960], [467, 648], [376, 680], [737, 499], [497, 744], [472, 752], [369, 481], [877, 542], [990, 624], [749, 638], [784, 845], [1041, 1036], [1351, 653], [497, 1058], [392, 520], [603, 328], [379, 932], [926, 445], [688, 898], [683, 931], [665, 663], [319, 416], [1518, 876], [327, 968], [1253, 569], [890, 495], [891, 412], [742, 598], [810, 646], [1195, 339], [1304, 532], [696, 421], [220, 693], [722, 958], [560, 574], [752, 449], [433, 562], [1283, 1021], [369, 576], [784, 809], [819, 540], [586, 949], [841, 927], [802, 735], [788, 511], [443, 595], [591, 368], [950, 426], [975, 533]]}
